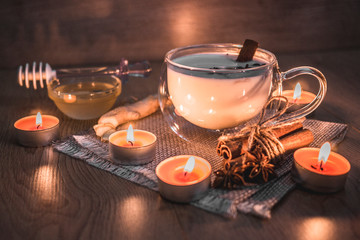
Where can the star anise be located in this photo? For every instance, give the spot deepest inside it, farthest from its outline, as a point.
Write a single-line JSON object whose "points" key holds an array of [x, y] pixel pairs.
{"points": [[231, 176], [260, 165], [251, 167]]}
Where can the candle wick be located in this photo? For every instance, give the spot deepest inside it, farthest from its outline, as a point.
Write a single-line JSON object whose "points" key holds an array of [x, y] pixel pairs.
{"points": [[321, 163], [132, 144], [185, 173], [318, 166], [37, 127]]}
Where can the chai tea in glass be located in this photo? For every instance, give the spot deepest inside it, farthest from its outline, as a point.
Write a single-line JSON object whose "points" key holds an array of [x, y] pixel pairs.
{"points": [[204, 86]]}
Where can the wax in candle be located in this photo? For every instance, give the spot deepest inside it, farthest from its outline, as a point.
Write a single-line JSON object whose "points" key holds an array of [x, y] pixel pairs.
{"points": [[29, 123], [141, 139], [305, 98], [124, 143], [329, 168], [179, 176], [36, 127], [171, 171], [335, 164]]}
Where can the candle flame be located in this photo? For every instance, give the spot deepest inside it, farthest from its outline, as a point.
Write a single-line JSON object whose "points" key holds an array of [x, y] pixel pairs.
{"points": [[38, 120], [324, 152], [190, 164], [130, 134], [297, 91]]}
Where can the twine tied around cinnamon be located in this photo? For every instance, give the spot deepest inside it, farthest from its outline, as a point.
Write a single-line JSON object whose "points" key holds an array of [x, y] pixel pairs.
{"points": [[263, 134]]}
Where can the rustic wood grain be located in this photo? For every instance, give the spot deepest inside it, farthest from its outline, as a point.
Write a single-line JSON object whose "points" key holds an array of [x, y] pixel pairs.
{"points": [[85, 32], [48, 195]]}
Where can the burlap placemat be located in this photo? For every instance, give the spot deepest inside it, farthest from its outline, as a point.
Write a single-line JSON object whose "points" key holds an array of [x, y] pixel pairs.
{"points": [[257, 200]]}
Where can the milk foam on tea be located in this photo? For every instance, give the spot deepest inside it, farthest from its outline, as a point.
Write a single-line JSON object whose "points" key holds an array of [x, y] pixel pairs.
{"points": [[220, 93]]}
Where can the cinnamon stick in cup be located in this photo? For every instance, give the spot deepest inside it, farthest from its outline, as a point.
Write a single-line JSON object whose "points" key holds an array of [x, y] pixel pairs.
{"points": [[247, 51]]}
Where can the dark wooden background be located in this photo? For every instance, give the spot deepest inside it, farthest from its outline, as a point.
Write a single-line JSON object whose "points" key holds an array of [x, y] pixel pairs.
{"points": [[48, 195], [71, 32]]}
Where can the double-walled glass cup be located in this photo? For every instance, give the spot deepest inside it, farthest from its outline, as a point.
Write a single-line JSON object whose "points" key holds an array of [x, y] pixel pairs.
{"points": [[200, 93]]}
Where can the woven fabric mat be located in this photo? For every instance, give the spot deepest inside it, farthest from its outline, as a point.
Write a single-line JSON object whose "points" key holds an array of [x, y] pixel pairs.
{"points": [[257, 200]]}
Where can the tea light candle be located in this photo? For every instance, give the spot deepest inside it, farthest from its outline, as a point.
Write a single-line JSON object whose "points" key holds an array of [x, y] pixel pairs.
{"points": [[183, 178], [132, 147], [297, 96], [37, 130], [320, 170]]}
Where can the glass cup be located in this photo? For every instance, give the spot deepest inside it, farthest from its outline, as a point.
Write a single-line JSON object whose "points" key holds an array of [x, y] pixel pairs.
{"points": [[203, 90], [84, 97]]}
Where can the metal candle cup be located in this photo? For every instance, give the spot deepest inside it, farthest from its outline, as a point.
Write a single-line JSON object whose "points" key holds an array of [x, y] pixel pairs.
{"points": [[27, 133], [142, 152], [331, 179], [183, 191]]}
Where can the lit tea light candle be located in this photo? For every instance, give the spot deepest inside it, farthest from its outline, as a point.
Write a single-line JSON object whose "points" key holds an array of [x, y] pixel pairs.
{"points": [[183, 178], [132, 147], [37, 130], [297, 96], [320, 170]]}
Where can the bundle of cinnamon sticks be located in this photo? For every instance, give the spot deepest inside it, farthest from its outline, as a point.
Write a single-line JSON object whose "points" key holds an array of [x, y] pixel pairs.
{"points": [[243, 166], [292, 136]]}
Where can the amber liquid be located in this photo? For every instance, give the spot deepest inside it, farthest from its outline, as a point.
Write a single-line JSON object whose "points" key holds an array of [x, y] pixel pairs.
{"points": [[85, 100]]}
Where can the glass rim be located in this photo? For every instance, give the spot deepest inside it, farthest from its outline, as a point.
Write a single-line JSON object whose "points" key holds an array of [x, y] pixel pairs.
{"points": [[217, 45], [52, 88]]}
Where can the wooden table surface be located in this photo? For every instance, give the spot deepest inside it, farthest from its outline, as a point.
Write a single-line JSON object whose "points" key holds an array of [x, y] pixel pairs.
{"points": [[48, 195]]}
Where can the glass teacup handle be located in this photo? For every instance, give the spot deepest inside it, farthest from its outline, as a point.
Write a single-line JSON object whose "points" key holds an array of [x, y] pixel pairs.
{"points": [[307, 109]]}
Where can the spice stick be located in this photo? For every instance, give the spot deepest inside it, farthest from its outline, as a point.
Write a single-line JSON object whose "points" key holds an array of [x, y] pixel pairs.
{"points": [[247, 51], [131, 112], [109, 121], [229, 150], [297, 140], [218, 147], [232, 148], [283, 129]]}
